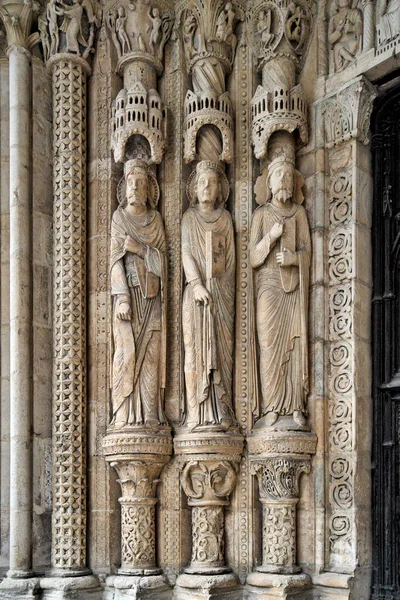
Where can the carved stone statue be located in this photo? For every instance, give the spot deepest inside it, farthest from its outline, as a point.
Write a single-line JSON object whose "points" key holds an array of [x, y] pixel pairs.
{"points": [[208, 255], [280, 252], [138, 278], [155, 28], [345, 34]]}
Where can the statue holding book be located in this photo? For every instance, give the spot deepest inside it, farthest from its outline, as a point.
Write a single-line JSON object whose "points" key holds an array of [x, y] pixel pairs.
{"points": [[208, 255]]}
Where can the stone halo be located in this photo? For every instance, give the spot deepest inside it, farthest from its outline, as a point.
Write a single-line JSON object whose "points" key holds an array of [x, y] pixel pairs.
{"points": [[203, 166]]}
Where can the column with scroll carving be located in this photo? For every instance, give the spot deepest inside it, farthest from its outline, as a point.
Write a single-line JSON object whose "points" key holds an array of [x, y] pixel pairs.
{"points": [[208, 441], [346, 123], [281, 443], [138, 442], [67, 52]]}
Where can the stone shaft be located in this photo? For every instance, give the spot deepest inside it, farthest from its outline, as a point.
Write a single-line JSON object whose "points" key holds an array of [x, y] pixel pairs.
{"points": [[20, 313], [69, 402]]}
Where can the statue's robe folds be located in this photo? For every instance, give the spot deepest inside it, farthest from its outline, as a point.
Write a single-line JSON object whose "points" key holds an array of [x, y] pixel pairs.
{"points": [[208, 255], [282, 307], [138, 365]]}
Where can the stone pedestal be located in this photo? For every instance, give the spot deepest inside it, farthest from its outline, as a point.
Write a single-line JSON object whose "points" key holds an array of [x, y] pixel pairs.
{"points": [[125, 587], [138, 457], [278, 457], [263, 586], [82, 587], [209, 464]]}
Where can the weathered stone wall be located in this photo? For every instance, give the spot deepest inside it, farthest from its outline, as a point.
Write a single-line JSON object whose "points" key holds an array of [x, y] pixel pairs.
{"points": [[319, 521]]}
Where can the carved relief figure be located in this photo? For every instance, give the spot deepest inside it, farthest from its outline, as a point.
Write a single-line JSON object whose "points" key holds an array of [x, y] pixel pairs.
{"points": [[138, 277], [52, 11], [120, 25], [208, 255], [280, 251], [72, 25], [225, 23], [44, 36], [345, 34], [155, 28], [388, 20], [264, 27]]}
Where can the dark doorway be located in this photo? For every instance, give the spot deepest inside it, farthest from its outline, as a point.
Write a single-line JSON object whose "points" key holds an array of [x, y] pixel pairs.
{"points": [[386, 348]]}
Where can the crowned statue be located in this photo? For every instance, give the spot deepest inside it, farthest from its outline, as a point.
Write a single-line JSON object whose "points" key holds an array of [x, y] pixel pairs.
{"points": [[280, 251], [208, 255], [138, 279]]}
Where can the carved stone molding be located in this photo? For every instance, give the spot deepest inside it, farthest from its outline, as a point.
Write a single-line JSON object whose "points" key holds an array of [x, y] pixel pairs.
{"points": [[347, 114]]}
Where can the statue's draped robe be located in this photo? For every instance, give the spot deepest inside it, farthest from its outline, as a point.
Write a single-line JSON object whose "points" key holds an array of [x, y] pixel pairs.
{"points": [[208, 331], [282, 307], [138, 366]]}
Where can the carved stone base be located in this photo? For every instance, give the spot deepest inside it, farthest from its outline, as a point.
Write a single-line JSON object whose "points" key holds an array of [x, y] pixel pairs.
{"points": [[152, 587], [265, 586], [207, 587], [138, 456], [19, 589], [71, 588]]}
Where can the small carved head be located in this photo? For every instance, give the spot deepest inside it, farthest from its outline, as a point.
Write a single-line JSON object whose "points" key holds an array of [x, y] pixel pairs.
{"points": [[208, 184], [280, 180], [155, 12], [138, 186]]}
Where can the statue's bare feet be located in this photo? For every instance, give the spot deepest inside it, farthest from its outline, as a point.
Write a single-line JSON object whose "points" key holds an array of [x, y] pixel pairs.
{"points": [[299, 418], [270, 419]]}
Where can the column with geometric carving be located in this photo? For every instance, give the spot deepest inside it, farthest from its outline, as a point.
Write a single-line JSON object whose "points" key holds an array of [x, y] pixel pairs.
{"points": [[138, 442], [66, 53], [281, 443], [346, 117]]}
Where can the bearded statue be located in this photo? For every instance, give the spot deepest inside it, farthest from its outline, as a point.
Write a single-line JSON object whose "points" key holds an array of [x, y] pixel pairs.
{"points": [[280, 251]]}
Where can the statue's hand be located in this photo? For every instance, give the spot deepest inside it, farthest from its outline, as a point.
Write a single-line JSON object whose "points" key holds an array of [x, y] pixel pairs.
{"points": [[277, 230], [132, 245], [123, 311], [287, 258], [201, 294]]}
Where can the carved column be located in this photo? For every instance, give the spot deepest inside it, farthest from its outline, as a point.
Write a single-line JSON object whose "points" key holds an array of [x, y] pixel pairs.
{"points": [[138, 442], [208, 441], [344, 119], [281, 443], [67, 59], [17, 18]]}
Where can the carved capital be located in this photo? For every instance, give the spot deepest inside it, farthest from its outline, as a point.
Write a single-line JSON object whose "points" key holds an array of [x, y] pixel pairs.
{"points": [[138, 479], [17, 18], [279, 478], [139, 31], [207, 29], [347, 114], [208, 482], [281, 29], [69, 29]]}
